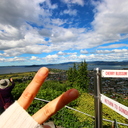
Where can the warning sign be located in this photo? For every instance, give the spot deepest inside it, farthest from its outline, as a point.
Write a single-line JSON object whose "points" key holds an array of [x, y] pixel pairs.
{"points": [[114, 73], [119, 108]]}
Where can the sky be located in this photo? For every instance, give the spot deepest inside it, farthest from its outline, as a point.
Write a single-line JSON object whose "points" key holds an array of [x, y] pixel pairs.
{"points": [[57, 31]]}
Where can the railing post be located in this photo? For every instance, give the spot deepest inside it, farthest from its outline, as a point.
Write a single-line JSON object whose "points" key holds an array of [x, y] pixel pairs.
{"points": [[115, 124], [97, 102]]}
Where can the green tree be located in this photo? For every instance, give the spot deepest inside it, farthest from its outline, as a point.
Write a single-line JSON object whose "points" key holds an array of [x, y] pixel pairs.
{"points": [[75, 73], [70, 74], [78, 74], [82, 78]]}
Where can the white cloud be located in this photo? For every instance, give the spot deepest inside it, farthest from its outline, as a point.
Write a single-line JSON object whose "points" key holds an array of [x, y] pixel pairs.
{"points": [[120, 50], [114, 46], [83, 51], [49, 5], [15, 59], [61, 53], [33, 58], [67, 38], [60, 57], [58, 22], [27, 28], [9, 32], [2, 59], [83, 57], [63, 35], [112, 51], [51, 58], [107, 55], [66, 53], [16, 12], [79, 2], [70, 12], [103, 51], [109, 22]]}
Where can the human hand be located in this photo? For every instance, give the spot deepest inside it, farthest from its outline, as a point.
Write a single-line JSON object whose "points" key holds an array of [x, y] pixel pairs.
{"points": [[52, 107], [11, 80]]}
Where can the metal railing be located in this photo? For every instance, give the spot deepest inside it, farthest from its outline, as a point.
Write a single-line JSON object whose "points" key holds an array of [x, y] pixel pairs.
{"points": [[82, 125]]}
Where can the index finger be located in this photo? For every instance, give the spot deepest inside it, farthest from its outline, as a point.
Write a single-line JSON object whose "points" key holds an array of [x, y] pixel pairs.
{"points": [[32, 89], [55, 105]]}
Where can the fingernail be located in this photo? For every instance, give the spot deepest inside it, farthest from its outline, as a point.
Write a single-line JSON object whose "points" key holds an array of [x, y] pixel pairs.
{"points": [[43, 71], [74, 93]]}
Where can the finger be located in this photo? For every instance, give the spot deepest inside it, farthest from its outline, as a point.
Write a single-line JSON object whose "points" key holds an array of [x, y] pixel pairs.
{"points": [[52, 107], [29, 93]]}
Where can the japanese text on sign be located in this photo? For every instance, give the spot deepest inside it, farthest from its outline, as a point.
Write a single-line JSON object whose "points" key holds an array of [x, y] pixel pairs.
{"points": [[114, 73]]}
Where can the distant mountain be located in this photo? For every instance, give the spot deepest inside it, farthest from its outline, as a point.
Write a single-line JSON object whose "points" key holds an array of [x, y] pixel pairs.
{"points": [[108, 63], [50, 64], [100, 63], [89, 63]]}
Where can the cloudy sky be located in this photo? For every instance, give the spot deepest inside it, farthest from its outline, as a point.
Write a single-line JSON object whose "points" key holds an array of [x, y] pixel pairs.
{"points": [[57, 31]]}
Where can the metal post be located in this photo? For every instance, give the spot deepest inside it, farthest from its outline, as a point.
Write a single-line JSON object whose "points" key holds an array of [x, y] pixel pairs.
{"points": [[115, 124], [97, 103]]}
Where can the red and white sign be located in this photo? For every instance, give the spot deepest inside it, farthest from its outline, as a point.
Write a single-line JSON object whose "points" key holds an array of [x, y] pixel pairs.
{"points": [[119, 108], [114, 73]]}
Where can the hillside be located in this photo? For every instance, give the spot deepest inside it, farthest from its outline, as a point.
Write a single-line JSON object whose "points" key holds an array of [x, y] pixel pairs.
{"points": [[88, 62]]}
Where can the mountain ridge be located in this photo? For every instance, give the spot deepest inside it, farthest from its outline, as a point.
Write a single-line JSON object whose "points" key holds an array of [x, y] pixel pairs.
{"points": [[89, 63]]}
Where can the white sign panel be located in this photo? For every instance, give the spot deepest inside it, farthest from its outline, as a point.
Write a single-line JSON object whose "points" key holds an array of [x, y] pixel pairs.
{"points": [[119, 108], [114, 73]]}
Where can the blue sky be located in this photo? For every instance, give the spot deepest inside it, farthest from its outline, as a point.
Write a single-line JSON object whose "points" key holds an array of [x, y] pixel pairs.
{"points": [[57, 31]]}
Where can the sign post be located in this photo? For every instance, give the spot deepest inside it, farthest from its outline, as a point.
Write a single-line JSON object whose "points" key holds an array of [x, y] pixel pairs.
{"points": [[115, 73], [97, 103], [100, 98], [114, 105]]}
